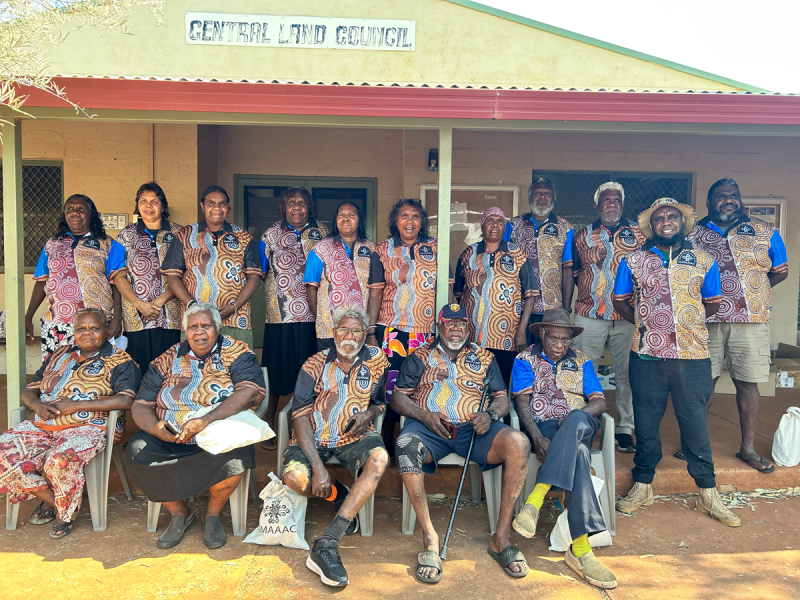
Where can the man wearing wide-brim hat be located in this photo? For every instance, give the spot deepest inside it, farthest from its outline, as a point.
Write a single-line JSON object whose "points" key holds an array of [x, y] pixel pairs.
{"points": [[675, 287], [558, 399]]}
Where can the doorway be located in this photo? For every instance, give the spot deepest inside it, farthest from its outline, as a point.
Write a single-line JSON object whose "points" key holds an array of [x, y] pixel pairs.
{"points": [[256, 208]]}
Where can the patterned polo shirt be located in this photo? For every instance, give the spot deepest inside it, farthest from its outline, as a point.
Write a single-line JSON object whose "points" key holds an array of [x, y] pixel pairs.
{"points": [[452, 387], [668, 299], [595, 276], [79, 274], [64, 376], [556, 388], [179, 381], [493, 288], [550, 249], [283, 251], [215, 266], [329, 396], [409, 291], [749, 251], [144, 253], [340, 275]]}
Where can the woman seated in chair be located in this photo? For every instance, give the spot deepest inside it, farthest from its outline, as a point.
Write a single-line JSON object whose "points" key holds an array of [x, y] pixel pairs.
{"points": [[163, 459], [70, 396]]}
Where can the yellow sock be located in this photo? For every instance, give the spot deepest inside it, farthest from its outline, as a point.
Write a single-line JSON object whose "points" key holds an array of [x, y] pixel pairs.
{"points": [[581, 546], [537, 495]]}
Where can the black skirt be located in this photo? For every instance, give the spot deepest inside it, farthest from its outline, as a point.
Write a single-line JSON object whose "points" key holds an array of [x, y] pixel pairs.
{"points": [[168, 472], [148, 344], [286, 347]]}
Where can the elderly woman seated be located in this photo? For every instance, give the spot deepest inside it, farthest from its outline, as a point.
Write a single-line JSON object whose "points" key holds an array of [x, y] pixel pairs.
{"points": [[163, 459], [71, 396]]}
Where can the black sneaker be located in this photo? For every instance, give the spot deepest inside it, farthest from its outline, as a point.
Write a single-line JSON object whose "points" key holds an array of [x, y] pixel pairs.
{"points": [[325, 561], [341, 493], [624, 443]]}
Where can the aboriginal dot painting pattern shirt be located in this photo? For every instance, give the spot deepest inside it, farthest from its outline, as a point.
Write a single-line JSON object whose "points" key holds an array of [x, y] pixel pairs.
{"points": [[556, 388], [550, 249], [78, 273], [407, 276], [669, 297], [64, 376], [215, 266], [453, 387], [179, 381], [329, 396], [341, 276], [493, 288], [145, 250], [284, 251], [749, 251], [595, 274]]}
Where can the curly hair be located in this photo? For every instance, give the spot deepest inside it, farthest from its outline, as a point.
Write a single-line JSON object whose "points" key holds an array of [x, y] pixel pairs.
{"points": [[291, 192], [361, 233], [152, 186], [416, 203], [95, 222]]}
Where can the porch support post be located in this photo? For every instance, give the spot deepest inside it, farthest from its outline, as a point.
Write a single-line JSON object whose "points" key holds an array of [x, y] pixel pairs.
{"points": [[443, 220], [14, 262]]}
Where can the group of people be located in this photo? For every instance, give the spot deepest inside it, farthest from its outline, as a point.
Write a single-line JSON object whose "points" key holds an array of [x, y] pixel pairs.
{"points": [[352, 331]]}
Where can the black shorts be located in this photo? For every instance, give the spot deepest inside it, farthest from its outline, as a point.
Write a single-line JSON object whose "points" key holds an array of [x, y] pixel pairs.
{"points": [[352, 456]]}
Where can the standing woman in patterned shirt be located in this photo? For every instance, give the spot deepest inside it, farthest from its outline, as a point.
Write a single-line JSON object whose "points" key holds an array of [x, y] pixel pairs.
{"points": [[289, 336], [76, 270], [151, 313], [402, 293]]}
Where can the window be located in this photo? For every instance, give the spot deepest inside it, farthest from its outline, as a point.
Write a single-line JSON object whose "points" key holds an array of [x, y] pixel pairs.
{"points": [[576, 189], [42, 201]]}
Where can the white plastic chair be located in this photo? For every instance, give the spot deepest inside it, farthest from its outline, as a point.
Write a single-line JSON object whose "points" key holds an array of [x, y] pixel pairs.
{"points": [[603, 463], [492, 483], [366, 515], [238, 498], [96, 472]]}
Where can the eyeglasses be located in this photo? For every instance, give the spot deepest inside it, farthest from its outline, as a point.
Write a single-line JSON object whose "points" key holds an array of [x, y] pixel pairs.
{"points": [[460, 324], [562, 341], [343, 331]]}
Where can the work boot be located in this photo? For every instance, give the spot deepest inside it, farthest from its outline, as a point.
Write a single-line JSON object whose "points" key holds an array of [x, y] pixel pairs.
{"points": [[709, 502], [641, 494], [591, 569], [525, 522]]}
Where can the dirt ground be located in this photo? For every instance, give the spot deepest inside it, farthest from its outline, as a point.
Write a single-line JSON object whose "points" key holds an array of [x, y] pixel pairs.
{"points": [[668, 550]]}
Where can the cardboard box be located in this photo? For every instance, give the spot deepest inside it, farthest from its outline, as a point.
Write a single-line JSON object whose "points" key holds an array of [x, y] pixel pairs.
{"points": [[606, 358]]}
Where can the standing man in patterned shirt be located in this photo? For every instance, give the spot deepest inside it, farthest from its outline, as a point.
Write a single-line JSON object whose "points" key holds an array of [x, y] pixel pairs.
{"points": [[496, 286], [547, 240], [76, 270], [339, 393], [289, 336], [675, 287], [150, 311], [598, 250], [216, 262], [752, 260]]}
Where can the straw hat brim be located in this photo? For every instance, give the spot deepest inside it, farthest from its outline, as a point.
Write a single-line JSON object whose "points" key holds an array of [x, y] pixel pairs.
{"points": [[535, 327], [685, 209]]}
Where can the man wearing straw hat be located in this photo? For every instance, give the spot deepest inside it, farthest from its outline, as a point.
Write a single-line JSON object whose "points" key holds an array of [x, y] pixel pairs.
{"points": [[675, 288], [558, 399]]}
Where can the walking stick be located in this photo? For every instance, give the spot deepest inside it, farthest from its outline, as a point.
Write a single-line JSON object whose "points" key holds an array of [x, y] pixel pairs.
{"points": [[443, 552]]}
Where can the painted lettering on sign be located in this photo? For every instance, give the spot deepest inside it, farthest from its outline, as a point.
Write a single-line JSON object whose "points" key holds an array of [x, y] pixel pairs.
{"points": [[204, 29]]}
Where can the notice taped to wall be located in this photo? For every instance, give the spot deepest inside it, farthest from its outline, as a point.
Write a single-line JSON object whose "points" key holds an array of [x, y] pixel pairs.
{"points": [[220, 29]]}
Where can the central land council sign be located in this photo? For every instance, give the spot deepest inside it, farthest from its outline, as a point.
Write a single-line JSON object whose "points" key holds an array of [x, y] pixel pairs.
{"points": [[205, 29]]}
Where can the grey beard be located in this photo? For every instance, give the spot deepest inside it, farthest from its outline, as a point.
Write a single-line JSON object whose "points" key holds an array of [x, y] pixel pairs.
{"points": [[715, 216], [668, 242], [453, 347], [344, 353], [542, 212]]}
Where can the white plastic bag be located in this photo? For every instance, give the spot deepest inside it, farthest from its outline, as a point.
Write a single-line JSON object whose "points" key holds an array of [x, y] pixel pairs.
{"points": [[283, 518], [241, 429], [786, 445], [560, 538]]}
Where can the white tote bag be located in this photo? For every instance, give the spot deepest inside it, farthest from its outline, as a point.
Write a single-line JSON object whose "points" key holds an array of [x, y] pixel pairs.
{"points": [[560, 538], [283, 518], [242, 429], [786, 445]]}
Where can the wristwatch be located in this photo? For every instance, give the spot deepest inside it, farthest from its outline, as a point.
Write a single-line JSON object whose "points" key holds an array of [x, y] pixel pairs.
{"points": [[493, 415]]}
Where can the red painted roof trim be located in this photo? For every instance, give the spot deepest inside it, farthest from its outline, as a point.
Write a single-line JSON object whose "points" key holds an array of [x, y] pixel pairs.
{"points": [[420, 102]]}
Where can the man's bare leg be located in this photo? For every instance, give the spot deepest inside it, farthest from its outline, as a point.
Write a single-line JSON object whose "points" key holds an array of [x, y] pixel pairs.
{"points": [[415, 486], [748, 400], [511, 448]]}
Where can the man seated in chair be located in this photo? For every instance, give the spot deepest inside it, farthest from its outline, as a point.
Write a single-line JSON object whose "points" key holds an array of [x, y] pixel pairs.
{"points": [[439, 390], [558, 399], [339, 393]]}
